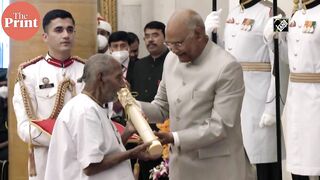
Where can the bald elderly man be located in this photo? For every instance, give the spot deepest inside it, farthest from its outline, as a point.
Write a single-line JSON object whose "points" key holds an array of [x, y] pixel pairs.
{"points": [[85, 144], [201, 92]]}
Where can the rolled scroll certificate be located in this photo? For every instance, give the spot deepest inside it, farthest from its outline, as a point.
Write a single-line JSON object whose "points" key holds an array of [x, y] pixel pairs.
{"points": [[139, 122]]}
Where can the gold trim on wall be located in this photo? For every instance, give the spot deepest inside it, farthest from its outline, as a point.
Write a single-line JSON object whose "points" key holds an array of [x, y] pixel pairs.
{"points": [[108, 10]]}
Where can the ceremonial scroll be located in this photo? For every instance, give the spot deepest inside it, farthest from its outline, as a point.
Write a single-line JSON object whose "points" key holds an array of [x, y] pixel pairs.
{"points": [[139, 122]]}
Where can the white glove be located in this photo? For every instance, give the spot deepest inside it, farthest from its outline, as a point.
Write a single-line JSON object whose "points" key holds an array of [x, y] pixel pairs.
{"points": [[212, 22], [267, 120], [268, 32], [4, 91]]}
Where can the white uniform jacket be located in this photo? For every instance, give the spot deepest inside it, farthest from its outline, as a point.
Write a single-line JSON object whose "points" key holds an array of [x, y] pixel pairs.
{"points": [[303, 99], [244, 40], [43, 99]]}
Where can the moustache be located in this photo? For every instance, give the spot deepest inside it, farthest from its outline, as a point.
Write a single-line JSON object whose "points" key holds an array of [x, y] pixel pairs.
{"points": [[151, 44]]}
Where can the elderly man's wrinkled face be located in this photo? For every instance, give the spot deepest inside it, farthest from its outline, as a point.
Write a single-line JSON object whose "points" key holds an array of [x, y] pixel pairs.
{"points": [[114, 81]]}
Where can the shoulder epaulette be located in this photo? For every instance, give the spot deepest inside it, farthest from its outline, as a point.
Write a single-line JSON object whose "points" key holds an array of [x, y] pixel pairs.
{"points": [[270, 5], [25, 64], [267, 3], [29, 62], [79, 59]]}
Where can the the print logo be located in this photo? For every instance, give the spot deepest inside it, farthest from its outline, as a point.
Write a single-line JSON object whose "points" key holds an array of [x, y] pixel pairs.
{"points": [[20, 20]]}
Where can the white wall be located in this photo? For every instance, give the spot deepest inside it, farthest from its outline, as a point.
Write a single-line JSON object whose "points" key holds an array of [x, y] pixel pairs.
{"points": [[163, 9], [286, 6], [134, 14]]}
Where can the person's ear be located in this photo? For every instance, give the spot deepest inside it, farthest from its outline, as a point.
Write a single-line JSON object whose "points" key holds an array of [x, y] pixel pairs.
{"points": [[100, 77], [197, 32], [45, 37]]}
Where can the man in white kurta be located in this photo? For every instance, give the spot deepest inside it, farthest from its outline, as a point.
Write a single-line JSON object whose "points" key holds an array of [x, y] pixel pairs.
{"points": [[83, 134], [85, 145]]}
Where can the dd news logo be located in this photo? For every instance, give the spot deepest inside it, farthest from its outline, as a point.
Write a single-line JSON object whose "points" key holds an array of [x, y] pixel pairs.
{"points": [[280, 25], [20, 20]]}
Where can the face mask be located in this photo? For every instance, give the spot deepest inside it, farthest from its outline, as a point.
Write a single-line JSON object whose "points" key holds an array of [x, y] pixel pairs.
{"points": [[120, 56], [4, 92], [102, 42]]}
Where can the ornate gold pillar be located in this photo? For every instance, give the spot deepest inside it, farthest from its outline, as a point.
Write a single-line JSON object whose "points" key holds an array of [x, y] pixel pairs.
{"points": [[108, 10], [84, 13]]}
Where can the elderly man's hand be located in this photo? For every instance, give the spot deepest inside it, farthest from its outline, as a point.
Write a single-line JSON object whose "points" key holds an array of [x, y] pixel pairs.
{"points": [[130, 128], [165, 137], [135, 152]]}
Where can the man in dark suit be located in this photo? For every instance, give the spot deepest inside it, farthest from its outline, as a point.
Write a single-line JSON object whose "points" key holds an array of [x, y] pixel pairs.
{"points": [[148, 70]]}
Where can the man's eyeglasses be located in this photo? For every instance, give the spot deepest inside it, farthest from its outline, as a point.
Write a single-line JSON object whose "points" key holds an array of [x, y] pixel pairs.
{"points": [[178, 44]]}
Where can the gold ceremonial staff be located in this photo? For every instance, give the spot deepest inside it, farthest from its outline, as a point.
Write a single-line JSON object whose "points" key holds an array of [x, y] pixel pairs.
{"points": [[134, 115]]}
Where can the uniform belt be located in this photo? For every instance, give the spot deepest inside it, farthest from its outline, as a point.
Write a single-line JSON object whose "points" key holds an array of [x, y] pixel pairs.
{"points": [[305, 77], [39, 146], [256, 66]]}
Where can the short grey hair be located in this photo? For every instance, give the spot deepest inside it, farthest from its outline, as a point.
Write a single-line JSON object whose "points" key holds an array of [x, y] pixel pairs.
{"points": [[98, 63]]}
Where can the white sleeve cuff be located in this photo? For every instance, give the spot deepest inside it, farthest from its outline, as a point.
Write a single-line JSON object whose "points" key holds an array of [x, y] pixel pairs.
{"points": [[176, 139]]}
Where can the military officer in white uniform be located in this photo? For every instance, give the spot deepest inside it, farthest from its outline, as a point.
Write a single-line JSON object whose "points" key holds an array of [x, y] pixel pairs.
{"points": [[243, 38], [303, 103], [44, 85]]}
